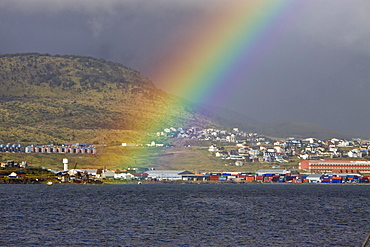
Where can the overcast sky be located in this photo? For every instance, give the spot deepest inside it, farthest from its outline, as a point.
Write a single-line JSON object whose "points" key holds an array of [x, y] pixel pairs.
{"points": [[318, 71]]}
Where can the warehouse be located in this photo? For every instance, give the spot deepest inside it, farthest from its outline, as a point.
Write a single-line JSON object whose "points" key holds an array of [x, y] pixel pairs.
{"points": [[167, 174]]}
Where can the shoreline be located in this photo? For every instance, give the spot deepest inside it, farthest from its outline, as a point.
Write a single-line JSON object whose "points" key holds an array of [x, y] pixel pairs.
{"points": [[218, 182], [142, 182]]}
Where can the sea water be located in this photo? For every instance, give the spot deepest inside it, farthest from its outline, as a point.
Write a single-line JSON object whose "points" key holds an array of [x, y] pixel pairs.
{"points": [[184, 215]]}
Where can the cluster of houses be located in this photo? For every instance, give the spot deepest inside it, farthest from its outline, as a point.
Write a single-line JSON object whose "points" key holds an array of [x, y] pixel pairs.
{"points": [[261, 176], [12, 164], [250, 147], [283, 151], [201, 134], [66, 148], [10, 148], [209, 134]]}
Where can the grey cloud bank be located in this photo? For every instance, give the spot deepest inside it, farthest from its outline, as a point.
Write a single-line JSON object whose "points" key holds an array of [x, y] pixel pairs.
{"points": [[317, 72]]}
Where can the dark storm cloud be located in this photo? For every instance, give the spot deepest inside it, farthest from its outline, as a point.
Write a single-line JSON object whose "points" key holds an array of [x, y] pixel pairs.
{"points": [[317, 71], [130, 32]]}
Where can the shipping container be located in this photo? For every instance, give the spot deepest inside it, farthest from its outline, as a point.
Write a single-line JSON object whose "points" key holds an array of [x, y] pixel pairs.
{"points": [[336, 181], [288, 178], [246, 173]]}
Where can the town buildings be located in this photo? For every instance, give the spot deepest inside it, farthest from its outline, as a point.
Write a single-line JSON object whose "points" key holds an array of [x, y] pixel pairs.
{"points": [[66, 148], [261, 176]]}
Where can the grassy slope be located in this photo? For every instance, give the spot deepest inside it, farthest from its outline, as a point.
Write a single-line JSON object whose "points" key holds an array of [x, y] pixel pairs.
{"points": [[195, 158], [59, 99]]}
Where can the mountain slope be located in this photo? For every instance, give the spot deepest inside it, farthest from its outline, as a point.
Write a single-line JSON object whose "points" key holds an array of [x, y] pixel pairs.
{"points": [[48, 98], [280, 129], [298, 129]]}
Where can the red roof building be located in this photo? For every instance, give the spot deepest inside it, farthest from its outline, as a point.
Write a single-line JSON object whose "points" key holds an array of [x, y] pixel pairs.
{"points": [[340, 166]]}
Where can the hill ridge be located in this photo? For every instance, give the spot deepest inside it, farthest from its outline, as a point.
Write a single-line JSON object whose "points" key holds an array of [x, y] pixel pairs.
{"points": [[73, 98]]}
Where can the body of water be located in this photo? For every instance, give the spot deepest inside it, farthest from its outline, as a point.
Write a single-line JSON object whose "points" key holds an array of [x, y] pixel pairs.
{"points": [[184, 215]]}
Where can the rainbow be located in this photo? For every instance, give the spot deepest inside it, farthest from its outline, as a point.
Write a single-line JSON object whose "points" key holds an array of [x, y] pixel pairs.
{"points": [[227, 45], [220, 52]]}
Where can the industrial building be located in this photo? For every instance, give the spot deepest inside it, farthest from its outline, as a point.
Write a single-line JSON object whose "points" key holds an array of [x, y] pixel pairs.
{"points": [[336, 166], [167, 174]]}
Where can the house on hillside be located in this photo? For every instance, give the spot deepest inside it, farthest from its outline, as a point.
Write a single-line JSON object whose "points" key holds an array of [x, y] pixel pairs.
{"points": [[355, 153], [213, 148], [13, 175]]}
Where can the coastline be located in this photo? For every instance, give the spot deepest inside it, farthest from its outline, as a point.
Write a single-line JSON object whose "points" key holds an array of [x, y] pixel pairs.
{"points": [[226, 182], [143, 182]]}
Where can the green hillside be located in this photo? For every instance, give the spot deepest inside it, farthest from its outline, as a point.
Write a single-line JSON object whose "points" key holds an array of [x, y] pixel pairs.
{"points": [[59, 99]]}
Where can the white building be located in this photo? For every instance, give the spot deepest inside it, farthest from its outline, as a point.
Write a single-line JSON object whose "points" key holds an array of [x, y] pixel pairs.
{"points": [[167, 174], [123, 176], [314, 178], [213, 148], [355, 153]]}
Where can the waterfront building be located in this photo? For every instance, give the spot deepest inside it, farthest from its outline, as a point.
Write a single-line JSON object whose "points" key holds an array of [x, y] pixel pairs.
{"points": [[167, 174], [272, 172]]}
